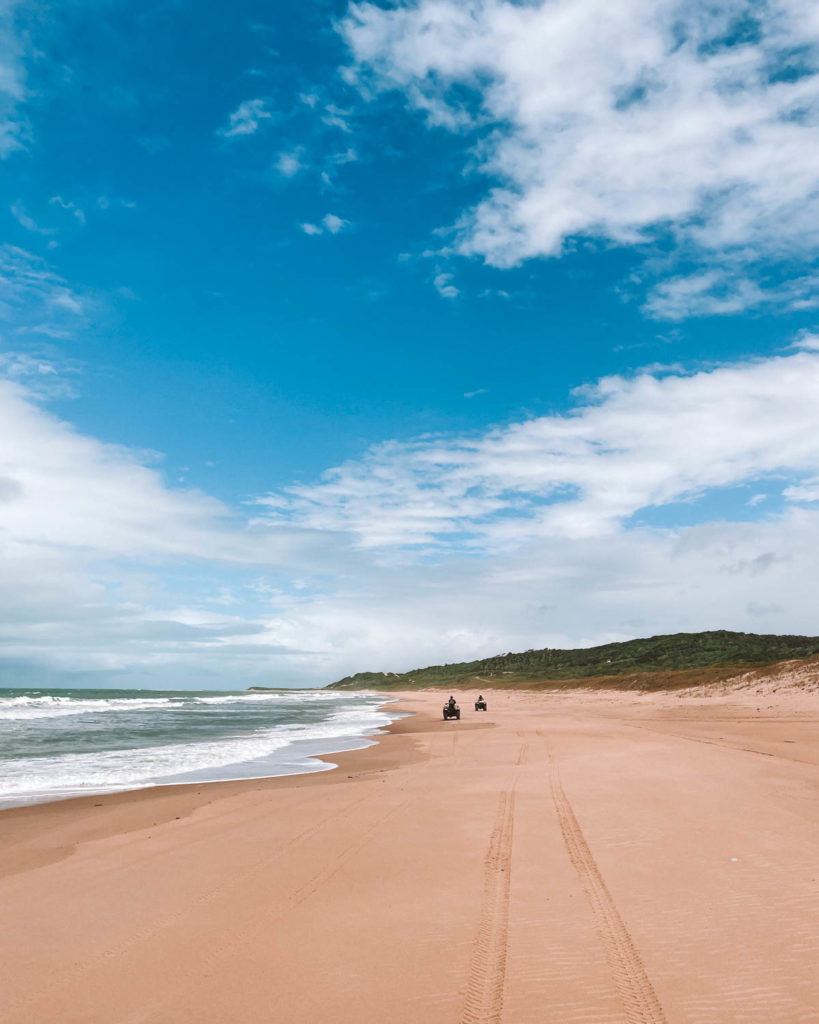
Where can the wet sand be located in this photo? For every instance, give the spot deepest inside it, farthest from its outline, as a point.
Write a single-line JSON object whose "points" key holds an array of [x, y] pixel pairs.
{"points": [[570, 858]]}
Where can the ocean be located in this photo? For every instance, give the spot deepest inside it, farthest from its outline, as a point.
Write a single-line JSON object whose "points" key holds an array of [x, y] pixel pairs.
{"points": [[61, 743]]}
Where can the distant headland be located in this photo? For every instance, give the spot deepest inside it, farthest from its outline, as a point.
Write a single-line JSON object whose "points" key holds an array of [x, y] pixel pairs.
{"points": [[670, 661]]}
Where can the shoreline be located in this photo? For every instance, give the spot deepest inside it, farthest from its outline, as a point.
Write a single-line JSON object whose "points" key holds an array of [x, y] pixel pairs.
{"points": [[130, 809], [306, 756], [556, 858]]}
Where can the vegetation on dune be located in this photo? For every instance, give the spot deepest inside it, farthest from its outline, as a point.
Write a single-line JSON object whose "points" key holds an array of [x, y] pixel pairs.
{"points": [[657, 662]]}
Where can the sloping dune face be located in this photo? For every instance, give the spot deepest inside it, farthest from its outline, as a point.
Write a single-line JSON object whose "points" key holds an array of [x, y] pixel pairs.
{"points": [[591, 857]]}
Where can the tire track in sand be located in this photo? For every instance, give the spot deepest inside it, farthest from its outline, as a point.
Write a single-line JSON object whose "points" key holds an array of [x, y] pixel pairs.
{"points": [[483, 1003], [630, 979]]}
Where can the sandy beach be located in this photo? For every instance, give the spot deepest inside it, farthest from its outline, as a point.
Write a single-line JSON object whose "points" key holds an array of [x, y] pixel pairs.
{"points": [[587, 857]]}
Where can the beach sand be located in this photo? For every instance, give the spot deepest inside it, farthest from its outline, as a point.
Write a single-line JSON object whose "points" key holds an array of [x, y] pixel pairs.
{"points": [[581, 857]]}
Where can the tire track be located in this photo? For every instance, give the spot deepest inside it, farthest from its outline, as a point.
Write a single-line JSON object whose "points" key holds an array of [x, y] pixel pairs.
{"points": [[630, 979], [483, 1003]]}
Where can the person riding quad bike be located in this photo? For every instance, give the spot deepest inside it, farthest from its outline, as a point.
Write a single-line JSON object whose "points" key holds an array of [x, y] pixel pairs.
{"points": [[451, 709]]}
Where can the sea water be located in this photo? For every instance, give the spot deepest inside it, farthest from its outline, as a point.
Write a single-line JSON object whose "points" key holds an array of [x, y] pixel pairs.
{"points": [[61, 743]]}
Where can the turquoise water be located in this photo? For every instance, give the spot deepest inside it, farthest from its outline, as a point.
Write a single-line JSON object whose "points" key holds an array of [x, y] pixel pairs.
{"points": [[60, 743]]}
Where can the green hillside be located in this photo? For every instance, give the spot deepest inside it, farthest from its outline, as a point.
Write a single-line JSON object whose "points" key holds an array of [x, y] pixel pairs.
{"points": [[676, 652]]}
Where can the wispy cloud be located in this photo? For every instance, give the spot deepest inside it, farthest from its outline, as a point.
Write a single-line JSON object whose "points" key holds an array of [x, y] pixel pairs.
{"points": [[639, 442], [246, 119], [70, 206], [330, 223], [622, 122], [106, 202], [444, 286], [14, 128], [18, 211], [335, 117], [33, 298], [716, 292], [347, 156]]}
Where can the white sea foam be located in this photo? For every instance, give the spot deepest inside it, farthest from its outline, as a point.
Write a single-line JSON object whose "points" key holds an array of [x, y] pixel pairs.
{"points": [[49, 706], [103, 771], [280, 696], [15, 709]]}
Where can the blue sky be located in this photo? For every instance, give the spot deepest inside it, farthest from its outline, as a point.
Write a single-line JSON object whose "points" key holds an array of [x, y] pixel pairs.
{"points": [[338, 337]]}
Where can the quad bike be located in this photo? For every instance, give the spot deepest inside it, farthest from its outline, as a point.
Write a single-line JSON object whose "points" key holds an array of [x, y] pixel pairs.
{"points": [[480, 705], [451, 711]]}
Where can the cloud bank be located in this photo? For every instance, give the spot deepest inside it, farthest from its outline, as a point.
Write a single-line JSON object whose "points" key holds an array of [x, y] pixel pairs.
{"points": [[631, 443], [532, 534]]}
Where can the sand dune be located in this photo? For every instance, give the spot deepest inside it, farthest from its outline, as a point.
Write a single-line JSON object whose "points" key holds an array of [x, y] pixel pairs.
{"points": [[577, 859]]}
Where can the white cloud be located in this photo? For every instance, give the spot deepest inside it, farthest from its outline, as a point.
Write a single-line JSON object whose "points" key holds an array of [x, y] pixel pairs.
{"points": [[561, 593], [289, 162], [333, 223], [329, 222], [807, 491], [246, 119], [347, 156], [18, 211], [715, 292], [91, 543], [444, 286], [622, 122], [77, 493], [33, 299], [334, 117], [40, 376], [806, 340], [635, 443]]}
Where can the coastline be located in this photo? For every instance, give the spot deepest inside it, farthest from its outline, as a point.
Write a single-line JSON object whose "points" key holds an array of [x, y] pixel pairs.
{"points": [[173, 738], [554, 859], [102, 815]]}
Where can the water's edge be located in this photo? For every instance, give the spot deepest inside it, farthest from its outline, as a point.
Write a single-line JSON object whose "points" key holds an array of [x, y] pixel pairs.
{"points": [[290, 754]]}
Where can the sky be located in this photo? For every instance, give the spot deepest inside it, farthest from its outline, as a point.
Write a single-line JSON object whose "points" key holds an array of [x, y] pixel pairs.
{"points": [[341, 337]]}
